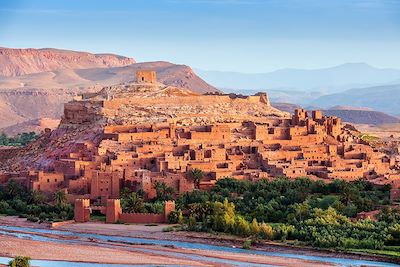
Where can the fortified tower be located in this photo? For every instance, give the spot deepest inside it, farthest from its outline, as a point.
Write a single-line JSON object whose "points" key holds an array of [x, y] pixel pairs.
{"points": [[113, 210], [81, 210], [146, 76]]}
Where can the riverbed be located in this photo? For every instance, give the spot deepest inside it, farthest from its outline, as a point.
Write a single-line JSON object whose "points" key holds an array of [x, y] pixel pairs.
{"points": [[97, 244]]}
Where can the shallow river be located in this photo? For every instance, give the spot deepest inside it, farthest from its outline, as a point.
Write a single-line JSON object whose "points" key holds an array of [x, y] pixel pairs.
{"points": [[34, 234]]}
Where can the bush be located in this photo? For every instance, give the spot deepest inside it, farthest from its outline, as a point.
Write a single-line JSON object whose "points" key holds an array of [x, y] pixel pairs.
{"points": [[4, 206], [283, 231], [20, 261], [192, 223], [247, 244], [32, 218], [168, 229], [175, 217]]}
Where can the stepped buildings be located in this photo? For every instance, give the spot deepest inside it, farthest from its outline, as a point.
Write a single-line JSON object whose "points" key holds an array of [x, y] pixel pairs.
{"points": [[142, 133]]}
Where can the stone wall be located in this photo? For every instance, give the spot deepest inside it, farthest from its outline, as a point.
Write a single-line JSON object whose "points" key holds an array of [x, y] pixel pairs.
{"points": [[142, 218]]}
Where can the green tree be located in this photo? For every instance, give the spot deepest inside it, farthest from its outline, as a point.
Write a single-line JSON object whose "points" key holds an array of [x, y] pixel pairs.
{"points": [[4, 206], [254, 227], [242, 227], [37, 197], [60, 198], [266, 231], [14, 190], [196, 175], [163, 191], [132, 203]]}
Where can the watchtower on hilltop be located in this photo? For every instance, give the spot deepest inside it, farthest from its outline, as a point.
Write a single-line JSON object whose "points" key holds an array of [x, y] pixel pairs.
{"points": [[146, 76]]}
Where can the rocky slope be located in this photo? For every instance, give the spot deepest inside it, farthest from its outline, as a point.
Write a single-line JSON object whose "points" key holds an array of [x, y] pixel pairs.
{"points": [[131, 103], [362, 116], [36, 125], [16, 62]]}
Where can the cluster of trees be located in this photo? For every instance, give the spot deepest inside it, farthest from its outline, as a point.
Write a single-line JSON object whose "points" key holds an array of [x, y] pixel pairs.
{"points": [[312, 212], [35, 206], [134, 201], [18, 140]]}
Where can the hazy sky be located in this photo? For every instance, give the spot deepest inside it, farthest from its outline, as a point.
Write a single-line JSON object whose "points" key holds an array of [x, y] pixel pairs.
{"points": [[235, 35]]}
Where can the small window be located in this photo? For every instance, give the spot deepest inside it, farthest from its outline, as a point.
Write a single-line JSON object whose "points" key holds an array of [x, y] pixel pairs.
{"points": [[48, 180]]}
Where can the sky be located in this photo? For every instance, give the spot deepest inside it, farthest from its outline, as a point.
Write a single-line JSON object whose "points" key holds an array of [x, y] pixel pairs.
{"points": [[249, 36]]}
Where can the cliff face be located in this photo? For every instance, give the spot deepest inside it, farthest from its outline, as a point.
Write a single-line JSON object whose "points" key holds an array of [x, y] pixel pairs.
{"points": [[16, 62], [21, 105]]}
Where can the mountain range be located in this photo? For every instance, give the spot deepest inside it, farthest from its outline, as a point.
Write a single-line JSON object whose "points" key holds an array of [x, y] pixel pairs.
{"points": [[353, 84], [385, 98], [16, 62], [326, 80]]}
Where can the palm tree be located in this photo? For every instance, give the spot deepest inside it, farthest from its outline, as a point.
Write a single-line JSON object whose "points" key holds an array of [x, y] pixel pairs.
{"points": [[14, 189], [132, 203], [196, 175], [37, 197], [163, 191], [60, 198]]}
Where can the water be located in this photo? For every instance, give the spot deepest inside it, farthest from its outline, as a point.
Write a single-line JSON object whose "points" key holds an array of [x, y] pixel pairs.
{"points": [[181, 244]]}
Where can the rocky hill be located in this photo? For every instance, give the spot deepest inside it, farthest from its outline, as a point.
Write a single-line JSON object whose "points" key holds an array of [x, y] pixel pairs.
{"points": [[42, 94], [86, 117], [362, 116], [287, 107], [16, 62]]}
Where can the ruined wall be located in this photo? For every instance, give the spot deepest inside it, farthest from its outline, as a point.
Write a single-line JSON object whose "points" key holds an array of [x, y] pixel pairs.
{"points": [[142, 218]]}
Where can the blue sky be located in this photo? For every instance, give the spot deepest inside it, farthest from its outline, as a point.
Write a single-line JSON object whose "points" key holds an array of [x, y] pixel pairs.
{"points": [[229, 35]]}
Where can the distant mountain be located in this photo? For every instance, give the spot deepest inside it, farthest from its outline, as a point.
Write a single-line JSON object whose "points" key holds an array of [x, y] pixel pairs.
{"points": [[382, 98], [281, 96], [16, 62], [329, 80], [341, 107], [362, 116], [287, 107]]}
